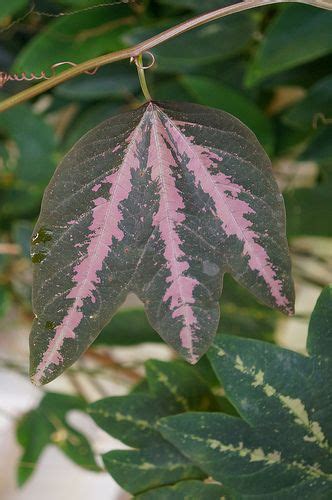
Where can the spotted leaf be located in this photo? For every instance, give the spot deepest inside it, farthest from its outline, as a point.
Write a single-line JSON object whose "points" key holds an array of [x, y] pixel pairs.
{"points": [[161, 201]]}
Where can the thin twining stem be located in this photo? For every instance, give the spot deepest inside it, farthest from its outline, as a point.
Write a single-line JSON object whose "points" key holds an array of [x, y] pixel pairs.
{"points": [[136, 50]]}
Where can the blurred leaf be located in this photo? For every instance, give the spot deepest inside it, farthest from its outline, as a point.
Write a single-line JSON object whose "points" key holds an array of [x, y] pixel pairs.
{"points": [[280, 448], [319, 148], [87, 119], [197, 5], [11, 7], [4, 299], [21, 233], [213, 93], [318, 102], [47, 425], [75, 38], [216, 41], [30, 145], [309, 211], [128, 327], [119, 82], [300, 33], [27, 147]]}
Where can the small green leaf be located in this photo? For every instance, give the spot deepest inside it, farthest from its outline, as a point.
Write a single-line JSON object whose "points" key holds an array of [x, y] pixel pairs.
{"points": [[300, 33], [47, 425]]}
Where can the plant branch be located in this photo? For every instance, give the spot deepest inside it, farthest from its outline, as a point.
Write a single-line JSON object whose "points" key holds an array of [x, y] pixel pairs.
{"points": [[137, 50]]}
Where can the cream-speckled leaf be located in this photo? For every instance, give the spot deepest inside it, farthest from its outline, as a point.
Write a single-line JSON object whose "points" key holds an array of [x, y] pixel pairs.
{"points": [[281, 447], [160, 201]]}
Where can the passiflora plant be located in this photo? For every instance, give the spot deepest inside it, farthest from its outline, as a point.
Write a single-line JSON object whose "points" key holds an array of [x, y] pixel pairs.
{"points": [[163, 201]]}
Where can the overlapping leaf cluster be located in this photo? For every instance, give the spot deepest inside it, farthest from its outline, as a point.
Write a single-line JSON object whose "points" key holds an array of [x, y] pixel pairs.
{"points": [[276, 444]]}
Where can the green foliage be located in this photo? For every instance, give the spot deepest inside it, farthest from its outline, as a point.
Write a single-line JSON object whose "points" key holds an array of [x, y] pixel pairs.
{"points": [[172, 388], [10, 8], [276, 446], [47, 425], [239, 64]]}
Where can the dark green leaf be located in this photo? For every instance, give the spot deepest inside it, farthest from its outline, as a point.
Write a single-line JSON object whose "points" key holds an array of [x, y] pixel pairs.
{"points": [[75, 38], [128, 327], [180, 386], [119, 81], [282, 447], [132, 419], [319, 148], [159, 464], [320, 326], [87, 119], [217, 41], [300, 33], [212, 93], [185, 490]]}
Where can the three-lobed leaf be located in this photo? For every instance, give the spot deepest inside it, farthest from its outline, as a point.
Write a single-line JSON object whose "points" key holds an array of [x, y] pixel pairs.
{"points": [[160, 201]]}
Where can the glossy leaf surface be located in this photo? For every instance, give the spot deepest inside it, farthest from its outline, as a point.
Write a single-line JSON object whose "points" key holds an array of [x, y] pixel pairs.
{"points": [[161, 201]]}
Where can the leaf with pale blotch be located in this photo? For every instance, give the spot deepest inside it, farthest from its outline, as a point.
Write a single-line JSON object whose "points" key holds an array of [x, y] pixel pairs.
{"points": [[281, 448], [160, 201]]}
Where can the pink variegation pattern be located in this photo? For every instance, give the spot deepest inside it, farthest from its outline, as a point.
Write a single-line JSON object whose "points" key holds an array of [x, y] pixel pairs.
{"points": [[162, 201]]}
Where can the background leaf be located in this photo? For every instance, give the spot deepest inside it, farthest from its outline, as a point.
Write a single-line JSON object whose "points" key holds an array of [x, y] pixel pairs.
{"points": [[47, 425], [299, 34]]}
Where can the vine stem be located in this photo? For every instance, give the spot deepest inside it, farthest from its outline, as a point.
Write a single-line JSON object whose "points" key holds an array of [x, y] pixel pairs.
{"points": [[141, 77], [140, 48]]}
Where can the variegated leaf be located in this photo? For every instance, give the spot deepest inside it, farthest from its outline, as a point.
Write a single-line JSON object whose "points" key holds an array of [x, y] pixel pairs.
{"points": [[161, 201]]}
